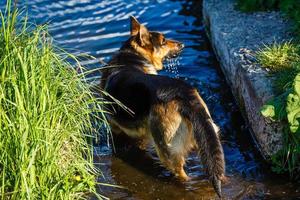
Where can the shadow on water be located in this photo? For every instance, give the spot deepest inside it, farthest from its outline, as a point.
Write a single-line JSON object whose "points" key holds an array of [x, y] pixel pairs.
{"points": [[98, 28]]}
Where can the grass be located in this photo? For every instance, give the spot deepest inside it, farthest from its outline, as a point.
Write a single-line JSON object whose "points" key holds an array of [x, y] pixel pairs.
{"points": [[46, 114], [282, 60], [278, 57]]}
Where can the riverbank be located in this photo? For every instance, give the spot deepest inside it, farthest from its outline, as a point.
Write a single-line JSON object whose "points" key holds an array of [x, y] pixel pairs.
{"points": [[235, 37]]}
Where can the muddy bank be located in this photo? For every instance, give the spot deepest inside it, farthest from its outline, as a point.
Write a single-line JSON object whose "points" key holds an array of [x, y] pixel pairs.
{"points": [[235, 36]]}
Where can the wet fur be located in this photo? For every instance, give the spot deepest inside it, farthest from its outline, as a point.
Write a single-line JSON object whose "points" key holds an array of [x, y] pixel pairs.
{"points": [[167, 111]]}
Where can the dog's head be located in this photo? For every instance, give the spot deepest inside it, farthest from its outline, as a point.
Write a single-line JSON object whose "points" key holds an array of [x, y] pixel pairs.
{"points": [[153, 46]]}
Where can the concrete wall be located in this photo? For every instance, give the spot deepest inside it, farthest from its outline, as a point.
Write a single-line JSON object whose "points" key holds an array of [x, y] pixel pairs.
{"points": [[235, 37]]}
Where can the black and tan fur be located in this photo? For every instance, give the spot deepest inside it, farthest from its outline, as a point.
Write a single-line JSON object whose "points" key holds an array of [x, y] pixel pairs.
{"points": [[167, 111]]}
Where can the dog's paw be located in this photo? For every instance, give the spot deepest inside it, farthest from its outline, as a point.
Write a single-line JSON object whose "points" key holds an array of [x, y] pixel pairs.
{"points": [[183, 177]]}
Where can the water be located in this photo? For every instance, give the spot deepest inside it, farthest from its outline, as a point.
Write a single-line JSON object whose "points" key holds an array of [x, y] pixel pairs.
{"points": [[99, 28]]}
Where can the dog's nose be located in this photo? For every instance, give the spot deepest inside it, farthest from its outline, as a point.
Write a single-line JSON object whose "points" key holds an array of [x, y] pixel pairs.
{"points": [[181, 45]]}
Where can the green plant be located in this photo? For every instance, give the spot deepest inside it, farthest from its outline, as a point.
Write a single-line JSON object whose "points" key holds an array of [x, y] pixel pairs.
{"points": [[286, 107], [47, 112], [283, 61]]}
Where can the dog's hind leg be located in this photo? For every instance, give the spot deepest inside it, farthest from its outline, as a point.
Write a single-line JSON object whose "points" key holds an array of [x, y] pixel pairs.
{"points": [[178, 162], [180, 146], [165, 125], [160, 143]]}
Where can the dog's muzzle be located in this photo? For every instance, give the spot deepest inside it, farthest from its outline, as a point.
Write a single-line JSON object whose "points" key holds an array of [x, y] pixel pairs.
{"points": [[181, 46], [175, 53]]}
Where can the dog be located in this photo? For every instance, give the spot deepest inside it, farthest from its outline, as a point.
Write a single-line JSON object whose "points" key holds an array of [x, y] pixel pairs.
{"points": [[165, 111]]}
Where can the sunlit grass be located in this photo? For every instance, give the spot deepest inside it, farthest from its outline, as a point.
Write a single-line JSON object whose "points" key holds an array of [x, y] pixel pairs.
{"points": [[47, 116], [277, 57], [283, 60]]}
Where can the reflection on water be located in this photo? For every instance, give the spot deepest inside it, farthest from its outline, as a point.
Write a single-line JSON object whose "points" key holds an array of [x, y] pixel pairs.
{"points": [[99, 28]]}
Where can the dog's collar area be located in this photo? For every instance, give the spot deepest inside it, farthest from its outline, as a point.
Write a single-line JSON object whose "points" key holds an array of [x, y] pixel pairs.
{"points": [[150, 69], [134, 60]]}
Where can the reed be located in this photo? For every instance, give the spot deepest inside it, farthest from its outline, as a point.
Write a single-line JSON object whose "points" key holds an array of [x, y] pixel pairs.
{"points": [[48, 115]]}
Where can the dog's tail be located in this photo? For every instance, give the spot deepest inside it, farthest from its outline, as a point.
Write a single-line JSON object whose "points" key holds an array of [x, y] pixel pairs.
{"points": [[206, 134]]}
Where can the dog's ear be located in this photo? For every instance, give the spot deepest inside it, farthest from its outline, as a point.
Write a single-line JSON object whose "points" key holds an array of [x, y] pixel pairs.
{"points": [[144, 35], [138, 29], [134, 26]]}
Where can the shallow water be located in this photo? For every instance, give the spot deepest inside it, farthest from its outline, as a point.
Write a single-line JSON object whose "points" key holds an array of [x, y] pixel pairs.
{"points": [[99, 28]]}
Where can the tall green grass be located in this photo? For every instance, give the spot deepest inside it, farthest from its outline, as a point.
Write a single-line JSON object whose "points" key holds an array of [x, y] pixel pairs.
{"points": [[46, 114]]}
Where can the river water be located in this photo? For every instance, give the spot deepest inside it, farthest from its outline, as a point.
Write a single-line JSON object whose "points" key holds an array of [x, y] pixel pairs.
{"points": [[98, 28]]}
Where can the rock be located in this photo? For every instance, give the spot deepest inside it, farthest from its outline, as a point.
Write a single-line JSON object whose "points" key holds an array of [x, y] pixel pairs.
{"points": [[235, 37]]}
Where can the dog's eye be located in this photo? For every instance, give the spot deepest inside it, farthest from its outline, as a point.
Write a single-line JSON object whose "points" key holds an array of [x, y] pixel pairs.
{"points": [[163, 42]]}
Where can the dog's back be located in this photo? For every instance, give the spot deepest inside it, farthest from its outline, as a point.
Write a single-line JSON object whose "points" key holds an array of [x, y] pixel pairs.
{"points": [[138, 91]]}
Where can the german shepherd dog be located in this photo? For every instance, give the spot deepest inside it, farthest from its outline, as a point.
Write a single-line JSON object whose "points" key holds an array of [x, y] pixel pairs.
{"points": [[166, 111]]}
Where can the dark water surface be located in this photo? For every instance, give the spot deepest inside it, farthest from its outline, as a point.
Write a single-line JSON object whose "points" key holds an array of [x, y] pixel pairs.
{"points": [[98, 28]]}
